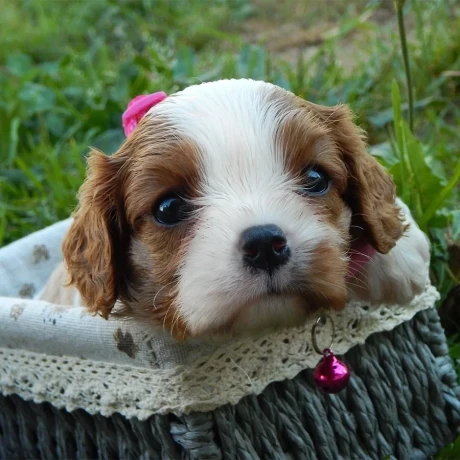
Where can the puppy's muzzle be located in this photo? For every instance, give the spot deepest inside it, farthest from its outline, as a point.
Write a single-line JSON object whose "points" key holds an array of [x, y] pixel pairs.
{"points": [[264, 247]]}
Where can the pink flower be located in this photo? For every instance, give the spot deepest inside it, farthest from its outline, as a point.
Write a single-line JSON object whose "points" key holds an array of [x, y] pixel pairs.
{"points": [[137, 108]]}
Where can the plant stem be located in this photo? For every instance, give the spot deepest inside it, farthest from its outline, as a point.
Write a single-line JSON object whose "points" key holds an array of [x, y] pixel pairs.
{"points": [[402, 35]]}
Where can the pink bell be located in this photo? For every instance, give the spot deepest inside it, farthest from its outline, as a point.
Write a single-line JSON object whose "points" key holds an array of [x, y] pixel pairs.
{"points": [[330, 374]]}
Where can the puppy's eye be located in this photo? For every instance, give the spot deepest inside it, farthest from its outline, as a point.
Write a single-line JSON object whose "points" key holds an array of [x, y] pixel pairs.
{"points": [[316, 182], [171, 210]]}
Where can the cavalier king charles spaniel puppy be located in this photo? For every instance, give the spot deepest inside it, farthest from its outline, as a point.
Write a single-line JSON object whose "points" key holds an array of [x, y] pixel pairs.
{"points": [[236, 206]]}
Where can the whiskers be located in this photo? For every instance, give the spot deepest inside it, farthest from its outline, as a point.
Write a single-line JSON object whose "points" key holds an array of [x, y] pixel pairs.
{"points": [[157, 294], [359, 253], [357, 267], [159, 310]]}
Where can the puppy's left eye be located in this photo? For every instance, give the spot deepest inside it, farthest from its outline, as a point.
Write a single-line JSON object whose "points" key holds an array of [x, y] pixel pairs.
{"points": [[315, 182]]}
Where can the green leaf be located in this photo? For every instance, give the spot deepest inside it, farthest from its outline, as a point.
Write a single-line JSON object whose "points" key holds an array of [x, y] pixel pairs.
{"points": [[50, 68], [13, 175], [31, 175], [282, 81], [438, 200], [251, 62], [74, 93], [426, 184], [382, 118], [450, 452], [456, 225], [37, 98], [385, 152], [257, 70], [437, 167], [55, 124], [19, 64], [185, 64], [455, 351], [243, 61], [109, 142], [13, 148], [421, 187]]}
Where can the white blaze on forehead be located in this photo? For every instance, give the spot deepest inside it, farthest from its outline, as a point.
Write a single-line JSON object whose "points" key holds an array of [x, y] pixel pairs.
{"points": [[236, 127], [233, 122]]}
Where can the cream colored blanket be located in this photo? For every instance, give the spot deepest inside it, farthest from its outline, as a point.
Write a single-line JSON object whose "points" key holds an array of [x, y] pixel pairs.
{"points": [[74, 360]]}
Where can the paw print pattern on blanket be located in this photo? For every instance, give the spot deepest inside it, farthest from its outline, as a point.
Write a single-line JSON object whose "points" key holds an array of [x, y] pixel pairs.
{"points": [[39, 253], [27, 291]]}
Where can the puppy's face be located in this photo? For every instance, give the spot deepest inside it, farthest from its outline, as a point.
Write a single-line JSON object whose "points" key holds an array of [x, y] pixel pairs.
{"points": [[230, 208]]}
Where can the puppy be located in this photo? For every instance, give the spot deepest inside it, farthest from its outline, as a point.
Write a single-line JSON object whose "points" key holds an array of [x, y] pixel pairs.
{"points": [[235, 206]]}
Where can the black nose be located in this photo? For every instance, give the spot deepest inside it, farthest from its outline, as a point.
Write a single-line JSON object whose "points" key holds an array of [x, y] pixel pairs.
{"points": [[265, 247]]}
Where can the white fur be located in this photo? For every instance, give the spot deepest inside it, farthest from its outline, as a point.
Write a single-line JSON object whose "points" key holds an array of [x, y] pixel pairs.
{"points": [[245, 183], [402, 273]]}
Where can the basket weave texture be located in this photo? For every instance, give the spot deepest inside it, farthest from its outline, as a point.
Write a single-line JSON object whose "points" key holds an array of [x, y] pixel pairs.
{"points": [[402, 401]]}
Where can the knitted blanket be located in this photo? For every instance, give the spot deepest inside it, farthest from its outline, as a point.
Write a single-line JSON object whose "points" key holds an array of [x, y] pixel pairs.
{"points": [[48, 350]]}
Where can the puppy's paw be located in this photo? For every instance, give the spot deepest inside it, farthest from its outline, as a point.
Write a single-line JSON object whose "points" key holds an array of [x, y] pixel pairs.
{"points": [[400, 275]]}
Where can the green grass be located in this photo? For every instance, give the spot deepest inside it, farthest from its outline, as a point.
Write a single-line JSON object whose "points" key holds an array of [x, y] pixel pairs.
{"points": [[68, 68]]}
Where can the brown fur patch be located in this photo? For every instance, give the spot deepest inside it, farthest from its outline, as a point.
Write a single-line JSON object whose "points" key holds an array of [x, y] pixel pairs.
{"points": [[326, 137], [370, 191], [326, 278], [92, 247], [116, 207]]}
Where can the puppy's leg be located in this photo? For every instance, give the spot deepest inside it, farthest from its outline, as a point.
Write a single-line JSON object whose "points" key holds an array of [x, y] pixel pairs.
{"points": [[396, 277], [58, 292]]}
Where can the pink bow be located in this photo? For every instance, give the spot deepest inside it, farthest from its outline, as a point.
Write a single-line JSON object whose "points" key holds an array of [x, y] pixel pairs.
{"points": [[137, 108]]}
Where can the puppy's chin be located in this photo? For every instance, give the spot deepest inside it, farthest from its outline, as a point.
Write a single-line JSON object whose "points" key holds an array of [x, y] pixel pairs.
{"points": [[267, 313]]}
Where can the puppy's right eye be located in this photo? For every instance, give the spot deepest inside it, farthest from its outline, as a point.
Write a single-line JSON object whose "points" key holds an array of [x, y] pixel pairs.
{"points": [[170, 210], [316, 182]]}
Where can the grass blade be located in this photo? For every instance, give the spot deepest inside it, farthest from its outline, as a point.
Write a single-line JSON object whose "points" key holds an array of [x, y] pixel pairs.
{"points": [[443, 195]]}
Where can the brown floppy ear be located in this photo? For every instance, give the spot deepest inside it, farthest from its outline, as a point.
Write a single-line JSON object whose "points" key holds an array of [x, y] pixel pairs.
{"points": [[92, 245], [370, 192]]}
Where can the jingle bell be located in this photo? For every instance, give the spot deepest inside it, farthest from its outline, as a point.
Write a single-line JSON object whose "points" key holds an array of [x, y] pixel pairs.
{"points": [[331, 374]]}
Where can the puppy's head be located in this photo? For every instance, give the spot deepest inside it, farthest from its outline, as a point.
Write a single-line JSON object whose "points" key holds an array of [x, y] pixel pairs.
{"points": [[229, 208]]}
